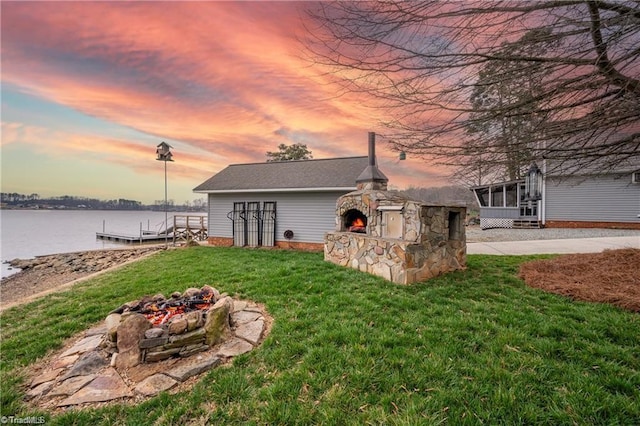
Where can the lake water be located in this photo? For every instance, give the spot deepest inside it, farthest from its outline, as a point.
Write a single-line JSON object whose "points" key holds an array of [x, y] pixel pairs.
{"points": [[25, 234]]}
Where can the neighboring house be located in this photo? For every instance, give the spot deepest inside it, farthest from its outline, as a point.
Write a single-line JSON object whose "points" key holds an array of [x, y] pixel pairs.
{"points": [[288, 203], [604, 200]]}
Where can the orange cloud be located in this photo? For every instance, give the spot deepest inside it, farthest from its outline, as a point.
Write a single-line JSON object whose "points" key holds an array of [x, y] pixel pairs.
{"points": [[195, 80], [221, 81]]}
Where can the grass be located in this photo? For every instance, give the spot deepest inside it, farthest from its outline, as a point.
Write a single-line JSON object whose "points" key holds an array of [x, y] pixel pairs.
{"points": [[472, 347]]}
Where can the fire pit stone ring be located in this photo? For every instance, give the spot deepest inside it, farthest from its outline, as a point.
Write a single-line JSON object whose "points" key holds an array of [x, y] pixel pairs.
{"points": [[145, 347]]}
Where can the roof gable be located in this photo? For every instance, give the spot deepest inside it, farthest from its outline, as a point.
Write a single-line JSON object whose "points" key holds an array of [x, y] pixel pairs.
{"points": [[331, 173]]}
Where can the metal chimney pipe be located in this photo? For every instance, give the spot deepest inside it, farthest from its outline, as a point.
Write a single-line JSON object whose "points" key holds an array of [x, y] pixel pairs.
{"points": [[372, 177], [372, 148]]}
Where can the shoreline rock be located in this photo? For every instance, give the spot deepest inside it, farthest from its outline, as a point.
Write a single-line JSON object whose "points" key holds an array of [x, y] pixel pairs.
{"points": [[80, 262], [45, 274]]}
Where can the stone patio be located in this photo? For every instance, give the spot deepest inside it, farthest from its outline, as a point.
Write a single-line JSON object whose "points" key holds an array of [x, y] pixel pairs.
{"points": [[83, 375]]}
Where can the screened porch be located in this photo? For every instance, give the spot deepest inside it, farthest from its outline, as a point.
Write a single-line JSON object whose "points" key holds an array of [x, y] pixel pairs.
{"points": [[504, 205]]}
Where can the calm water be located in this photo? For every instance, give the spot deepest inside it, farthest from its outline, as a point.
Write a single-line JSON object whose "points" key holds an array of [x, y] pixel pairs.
{"points": [[25, 234]]}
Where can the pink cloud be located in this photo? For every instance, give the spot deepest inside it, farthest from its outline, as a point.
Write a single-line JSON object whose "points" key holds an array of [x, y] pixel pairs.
{"points": [[222, 78], [184, 56]]}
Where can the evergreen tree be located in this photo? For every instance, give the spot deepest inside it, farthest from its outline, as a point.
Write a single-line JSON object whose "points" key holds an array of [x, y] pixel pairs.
{"points": [[297, 151]]}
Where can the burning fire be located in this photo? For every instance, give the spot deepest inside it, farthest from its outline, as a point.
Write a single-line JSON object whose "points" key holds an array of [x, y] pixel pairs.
{"points": [[158, 313], [357, 225]]}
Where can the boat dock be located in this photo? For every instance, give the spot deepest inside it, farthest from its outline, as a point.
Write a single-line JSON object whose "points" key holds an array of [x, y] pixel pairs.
{"points": [[185, 228], [133, 239]]}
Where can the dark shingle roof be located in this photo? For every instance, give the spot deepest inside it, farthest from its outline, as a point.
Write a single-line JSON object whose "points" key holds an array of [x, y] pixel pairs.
{"points": [[288, 175]]}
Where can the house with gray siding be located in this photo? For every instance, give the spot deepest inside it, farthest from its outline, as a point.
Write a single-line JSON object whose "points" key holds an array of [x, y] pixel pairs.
{"points": [[286, 204], [607, 200]]}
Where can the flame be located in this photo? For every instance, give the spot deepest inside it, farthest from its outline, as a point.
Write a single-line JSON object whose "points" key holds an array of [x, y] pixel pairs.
{"points": [[161, 313], [160, 316], [358, 222]]}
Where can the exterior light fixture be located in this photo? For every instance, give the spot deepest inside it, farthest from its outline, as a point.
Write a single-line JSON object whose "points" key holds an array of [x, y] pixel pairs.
{"points": [[533, 183], [163, 153]]}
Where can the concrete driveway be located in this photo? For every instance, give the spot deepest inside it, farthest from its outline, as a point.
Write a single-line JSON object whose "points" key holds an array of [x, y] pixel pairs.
{"points": [[560, 246]]}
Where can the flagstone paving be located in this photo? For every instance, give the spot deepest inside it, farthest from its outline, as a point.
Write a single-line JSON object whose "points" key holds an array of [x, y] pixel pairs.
{"points": [[82, 374]]}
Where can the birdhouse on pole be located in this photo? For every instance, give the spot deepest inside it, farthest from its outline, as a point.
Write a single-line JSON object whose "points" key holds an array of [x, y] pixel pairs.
{"points": [[164, 152]]}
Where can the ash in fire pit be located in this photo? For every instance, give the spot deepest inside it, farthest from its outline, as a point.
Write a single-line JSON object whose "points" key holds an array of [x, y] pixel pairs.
{"points": [[159, 310], [156, 328]]}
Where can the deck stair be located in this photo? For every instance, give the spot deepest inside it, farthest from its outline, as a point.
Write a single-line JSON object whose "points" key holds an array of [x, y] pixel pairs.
{"points": [[168, 231], [526, 224]]}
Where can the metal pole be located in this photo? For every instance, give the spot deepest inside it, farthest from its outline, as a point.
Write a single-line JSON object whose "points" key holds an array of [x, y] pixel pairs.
{"points": [[166, 218]]}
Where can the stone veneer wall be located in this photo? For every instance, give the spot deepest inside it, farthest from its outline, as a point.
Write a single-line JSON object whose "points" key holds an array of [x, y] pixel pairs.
{"points": [[429, 247], [368, 203]]}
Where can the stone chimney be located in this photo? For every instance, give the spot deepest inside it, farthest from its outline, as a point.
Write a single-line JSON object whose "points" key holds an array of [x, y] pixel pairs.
{"points": [[372, 178]]}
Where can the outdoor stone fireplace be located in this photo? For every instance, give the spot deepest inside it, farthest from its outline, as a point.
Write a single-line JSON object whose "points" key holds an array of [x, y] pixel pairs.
{"points": [[392, 236]]}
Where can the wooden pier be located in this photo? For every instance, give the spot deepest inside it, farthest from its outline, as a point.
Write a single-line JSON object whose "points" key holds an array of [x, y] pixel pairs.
{"points": [[185, 228], [132, 239]]}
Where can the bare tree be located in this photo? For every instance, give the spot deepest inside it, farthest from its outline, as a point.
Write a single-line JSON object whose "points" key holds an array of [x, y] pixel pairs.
{"points": [[422, 62], [443, 195], [506, 119]]}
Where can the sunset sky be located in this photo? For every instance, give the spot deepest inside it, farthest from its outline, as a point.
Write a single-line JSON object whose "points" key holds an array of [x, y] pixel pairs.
{"points": [[90, 88]]}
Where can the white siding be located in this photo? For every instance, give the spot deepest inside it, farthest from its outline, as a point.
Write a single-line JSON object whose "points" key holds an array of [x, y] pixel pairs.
{"points": [[309, 215], [611, 198], [500, 212]]}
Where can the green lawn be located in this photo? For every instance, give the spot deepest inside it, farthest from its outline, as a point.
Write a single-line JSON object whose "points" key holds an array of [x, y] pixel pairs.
{"points": [[472, 347]]}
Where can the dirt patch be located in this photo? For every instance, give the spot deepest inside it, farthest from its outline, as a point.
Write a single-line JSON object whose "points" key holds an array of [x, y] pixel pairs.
{"points": [[612, 276]]}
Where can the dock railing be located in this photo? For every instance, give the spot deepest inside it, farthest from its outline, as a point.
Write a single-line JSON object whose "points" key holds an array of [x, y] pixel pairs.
{"points": [[189, 228]]}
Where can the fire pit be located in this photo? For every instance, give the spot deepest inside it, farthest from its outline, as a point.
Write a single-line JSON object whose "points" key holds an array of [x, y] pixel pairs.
{"points": [[156, 328], [144, 347], [160, 311]]}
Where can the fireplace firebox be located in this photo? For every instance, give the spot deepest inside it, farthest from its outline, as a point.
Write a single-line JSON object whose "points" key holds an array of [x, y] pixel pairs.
{"points": [[354, 221]]}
